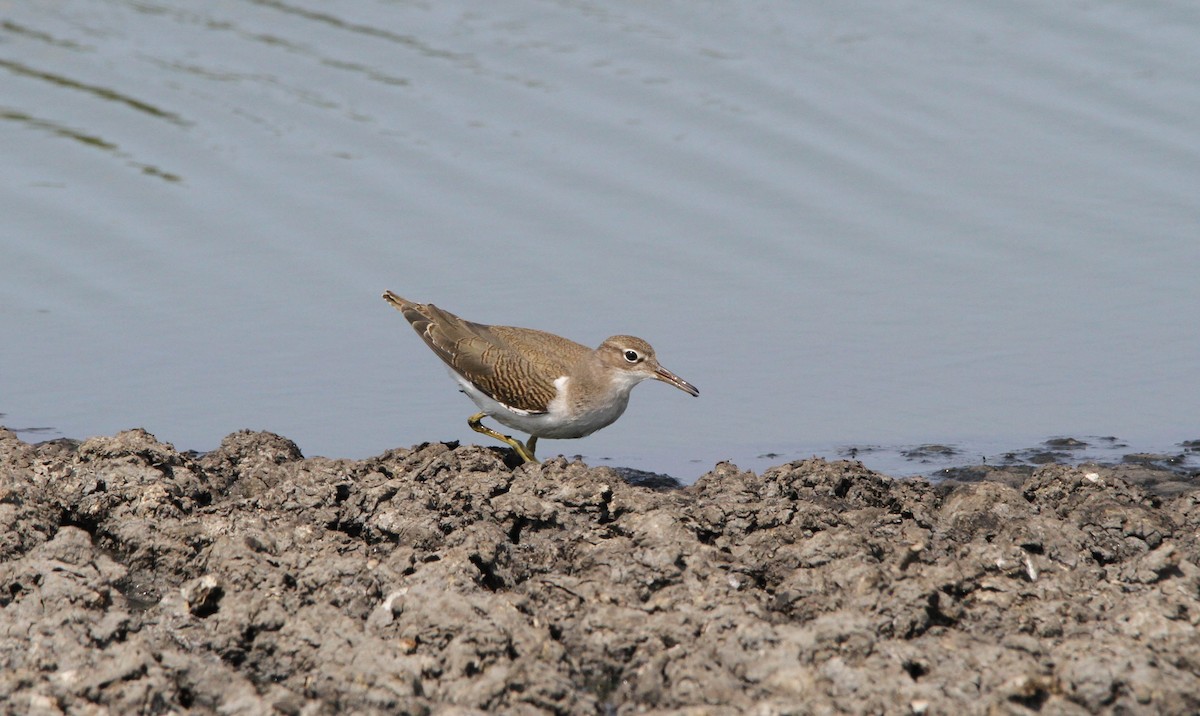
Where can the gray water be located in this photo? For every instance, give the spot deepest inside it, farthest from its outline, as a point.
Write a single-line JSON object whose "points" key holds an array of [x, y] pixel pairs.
{"points": [[869, 223]]}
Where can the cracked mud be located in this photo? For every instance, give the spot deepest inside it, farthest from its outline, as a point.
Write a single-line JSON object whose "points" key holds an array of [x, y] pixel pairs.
{"points": [[250, 580]]}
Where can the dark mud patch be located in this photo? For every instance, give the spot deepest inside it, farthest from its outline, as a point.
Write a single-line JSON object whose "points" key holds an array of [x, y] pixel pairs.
{"points": [[138, 579]]}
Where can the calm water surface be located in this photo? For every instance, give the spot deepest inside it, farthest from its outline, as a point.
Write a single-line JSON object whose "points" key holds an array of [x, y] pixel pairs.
{"points": [[849, 224]]}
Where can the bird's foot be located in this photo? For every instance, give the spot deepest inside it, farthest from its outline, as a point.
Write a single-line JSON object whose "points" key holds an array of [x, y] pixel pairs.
{"points": [[523, 450]]}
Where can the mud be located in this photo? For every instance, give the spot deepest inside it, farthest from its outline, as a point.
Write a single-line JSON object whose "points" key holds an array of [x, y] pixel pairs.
{"points": [[138, 579]]}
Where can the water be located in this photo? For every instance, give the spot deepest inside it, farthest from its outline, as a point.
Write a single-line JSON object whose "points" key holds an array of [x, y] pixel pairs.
{"points": [[848, 224]]}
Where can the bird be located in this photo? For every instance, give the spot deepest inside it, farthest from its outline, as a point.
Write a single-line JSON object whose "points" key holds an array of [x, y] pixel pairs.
{"points": [[533, 381]]}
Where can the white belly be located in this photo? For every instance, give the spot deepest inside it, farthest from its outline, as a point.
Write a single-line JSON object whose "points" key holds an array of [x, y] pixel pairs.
{"points": [[560, 421]]}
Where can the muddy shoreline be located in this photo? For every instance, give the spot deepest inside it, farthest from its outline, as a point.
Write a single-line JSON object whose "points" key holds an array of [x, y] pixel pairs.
{"points": [[251, 580]]}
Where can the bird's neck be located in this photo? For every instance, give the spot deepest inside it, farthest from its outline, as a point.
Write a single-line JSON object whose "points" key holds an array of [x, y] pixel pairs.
{"points": [[594, 386]]}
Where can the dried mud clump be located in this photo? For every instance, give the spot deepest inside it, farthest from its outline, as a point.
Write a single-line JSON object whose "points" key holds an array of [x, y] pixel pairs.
{"points": [[138, 579]]}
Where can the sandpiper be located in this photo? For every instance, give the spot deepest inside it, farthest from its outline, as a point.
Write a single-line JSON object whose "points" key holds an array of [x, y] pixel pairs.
{"points": [[533, 381]]}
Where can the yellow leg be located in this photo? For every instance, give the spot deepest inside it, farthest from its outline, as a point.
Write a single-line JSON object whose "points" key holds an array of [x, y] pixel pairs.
{"points": [[523, 451]]}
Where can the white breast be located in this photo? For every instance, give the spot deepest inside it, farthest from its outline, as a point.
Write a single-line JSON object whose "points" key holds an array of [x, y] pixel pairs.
{"points": [[563, 419]]}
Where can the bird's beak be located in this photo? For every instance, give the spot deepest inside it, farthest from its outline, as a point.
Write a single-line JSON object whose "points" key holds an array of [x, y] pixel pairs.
{"points": [[667, 376]]}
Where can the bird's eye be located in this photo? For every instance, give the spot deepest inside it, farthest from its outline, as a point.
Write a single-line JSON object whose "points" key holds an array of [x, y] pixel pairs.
{"points": [[632, 356]]}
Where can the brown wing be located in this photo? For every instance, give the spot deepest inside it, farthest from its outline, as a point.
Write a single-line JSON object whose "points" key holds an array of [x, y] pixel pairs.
{"points": [[492, 357]]}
